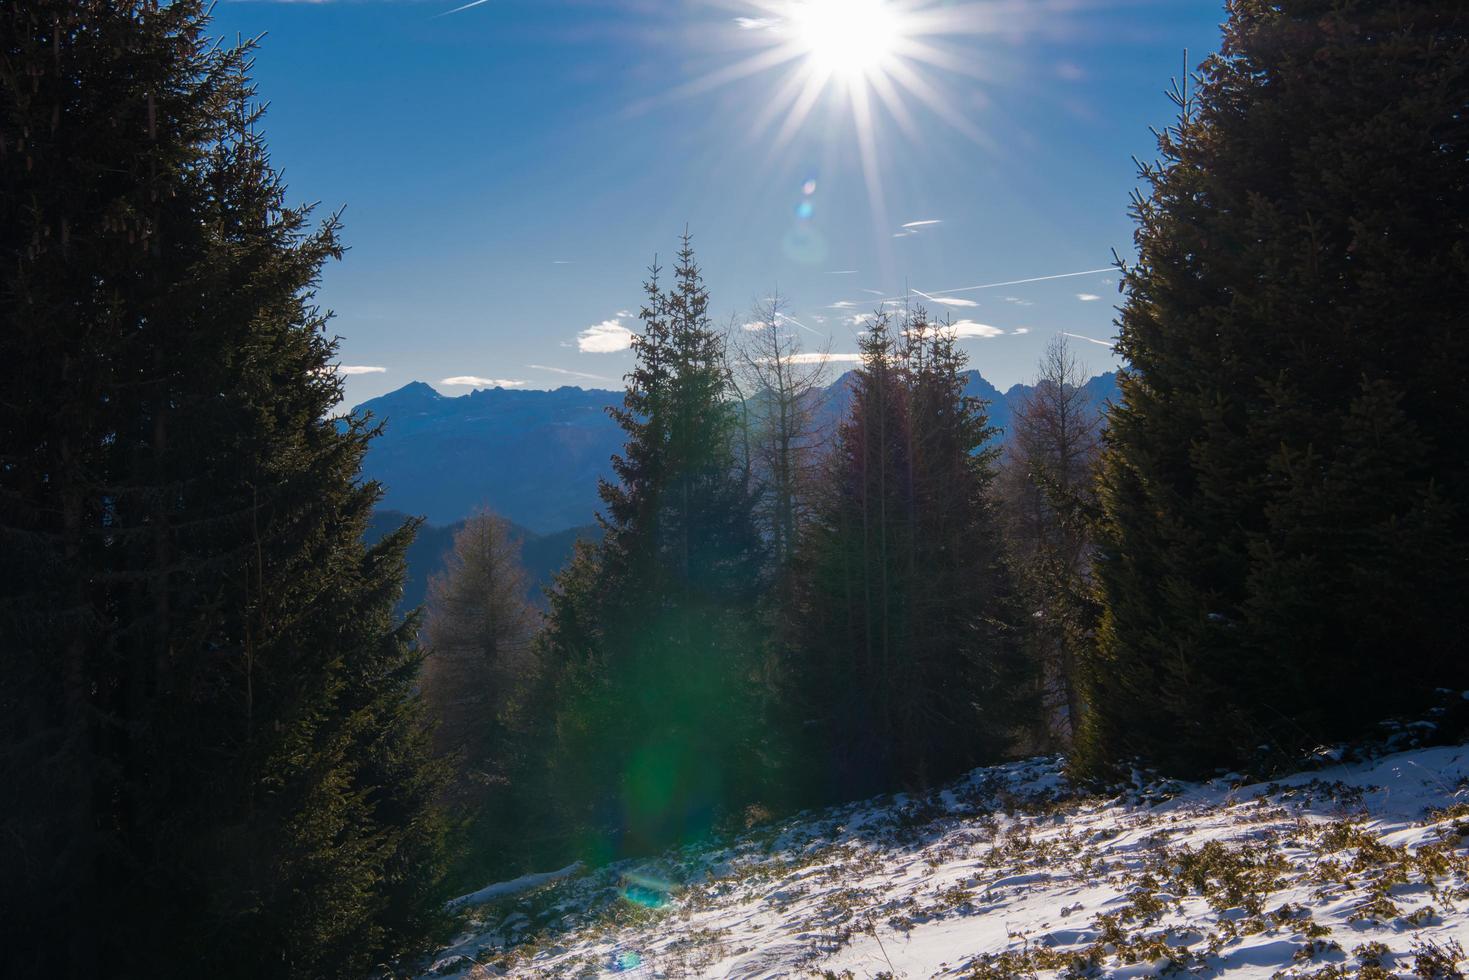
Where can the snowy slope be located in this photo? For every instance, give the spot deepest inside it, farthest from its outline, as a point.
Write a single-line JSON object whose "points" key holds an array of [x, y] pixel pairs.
{"points": [[1356, 870]]}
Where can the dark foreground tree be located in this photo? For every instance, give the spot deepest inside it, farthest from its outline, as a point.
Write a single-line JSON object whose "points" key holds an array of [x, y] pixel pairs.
{"points": [[652, 632], [212, 762], [905, 666], [1284, 559]]}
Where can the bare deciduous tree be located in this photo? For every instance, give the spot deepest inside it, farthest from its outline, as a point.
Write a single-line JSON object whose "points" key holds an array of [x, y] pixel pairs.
{"points": [[1047, 491], [780, 385]]}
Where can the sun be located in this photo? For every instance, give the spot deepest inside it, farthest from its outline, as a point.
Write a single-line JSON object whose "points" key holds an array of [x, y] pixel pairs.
{"points": [[847, 39], [806, 64]]}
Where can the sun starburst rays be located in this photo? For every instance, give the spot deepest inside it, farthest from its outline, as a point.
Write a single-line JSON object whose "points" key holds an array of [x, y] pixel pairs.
{"points": [[870, 60]]}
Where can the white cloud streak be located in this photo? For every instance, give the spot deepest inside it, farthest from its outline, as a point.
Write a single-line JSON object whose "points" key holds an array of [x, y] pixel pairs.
{"points": [[946, 300], [968, 328], [473, 381], [1088, 297], [923, 224], [816, 357], [351, 369]]}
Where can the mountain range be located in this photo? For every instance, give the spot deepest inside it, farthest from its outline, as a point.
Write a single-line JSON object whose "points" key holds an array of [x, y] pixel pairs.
{"points": [[535, 457]]}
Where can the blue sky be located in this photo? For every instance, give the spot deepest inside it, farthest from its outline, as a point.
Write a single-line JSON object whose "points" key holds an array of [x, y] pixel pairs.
{"points": [[509, 170]]}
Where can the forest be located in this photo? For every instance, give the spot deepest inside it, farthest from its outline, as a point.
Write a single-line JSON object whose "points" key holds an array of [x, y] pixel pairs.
{"points": [[222, 751]]}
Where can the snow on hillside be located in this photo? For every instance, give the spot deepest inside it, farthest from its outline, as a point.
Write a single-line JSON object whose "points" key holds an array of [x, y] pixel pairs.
{"points": [[1356, 870]]}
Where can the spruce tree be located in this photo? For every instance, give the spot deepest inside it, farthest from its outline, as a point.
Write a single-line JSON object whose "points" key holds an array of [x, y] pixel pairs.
{"points": [[905, 664], [1284, 485], [212, 759], [651, 630]]}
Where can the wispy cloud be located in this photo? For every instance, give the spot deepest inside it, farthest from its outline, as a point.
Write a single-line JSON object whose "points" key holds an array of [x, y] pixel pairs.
{"points": [[1020, 330], [360, 369], [1090, 340], [606, 337], [569, 374], [473, 381], [842, 272], [1018, 301], [1088, 297], [842, 304], [968, 328], [756, 23], [924, 223]]}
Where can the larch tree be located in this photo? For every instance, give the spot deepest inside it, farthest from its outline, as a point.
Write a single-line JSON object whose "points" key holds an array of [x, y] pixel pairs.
{"points": [[478, 671]]}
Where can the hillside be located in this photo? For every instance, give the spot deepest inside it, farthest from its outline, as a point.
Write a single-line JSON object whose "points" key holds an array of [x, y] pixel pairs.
{"points": [[1358, 869], [534, 457]]}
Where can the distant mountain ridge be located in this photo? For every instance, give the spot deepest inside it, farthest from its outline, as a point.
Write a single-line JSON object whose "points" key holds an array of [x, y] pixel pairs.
{"points": [[535, 457], [542, 555]]}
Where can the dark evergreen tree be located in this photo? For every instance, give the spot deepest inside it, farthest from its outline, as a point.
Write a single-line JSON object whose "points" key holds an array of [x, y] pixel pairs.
{"points": [[651, 629], [213, 765], [1284, 555], [905, 670]]}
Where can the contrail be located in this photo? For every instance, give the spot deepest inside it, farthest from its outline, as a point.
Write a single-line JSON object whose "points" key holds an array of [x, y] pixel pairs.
{"points": [[472, 3], [557, 370], [1090, 340], [1018, 282], [800, 324]]}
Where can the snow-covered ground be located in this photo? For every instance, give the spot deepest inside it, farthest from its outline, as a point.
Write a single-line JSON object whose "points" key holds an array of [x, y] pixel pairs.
{"points": [[1355, 870]]}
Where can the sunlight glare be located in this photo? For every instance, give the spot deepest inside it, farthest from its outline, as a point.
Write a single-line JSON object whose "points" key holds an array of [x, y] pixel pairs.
{"points": [[846, 38]]}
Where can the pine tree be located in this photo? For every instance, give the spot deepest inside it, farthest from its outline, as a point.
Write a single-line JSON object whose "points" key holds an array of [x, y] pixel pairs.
{"points": [[1284, 495], [206, 730], [651, 630]]}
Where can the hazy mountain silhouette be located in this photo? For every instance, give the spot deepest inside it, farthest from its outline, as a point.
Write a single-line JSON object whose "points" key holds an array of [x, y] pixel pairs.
{"points": [[534, 457], [542, 554]]}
